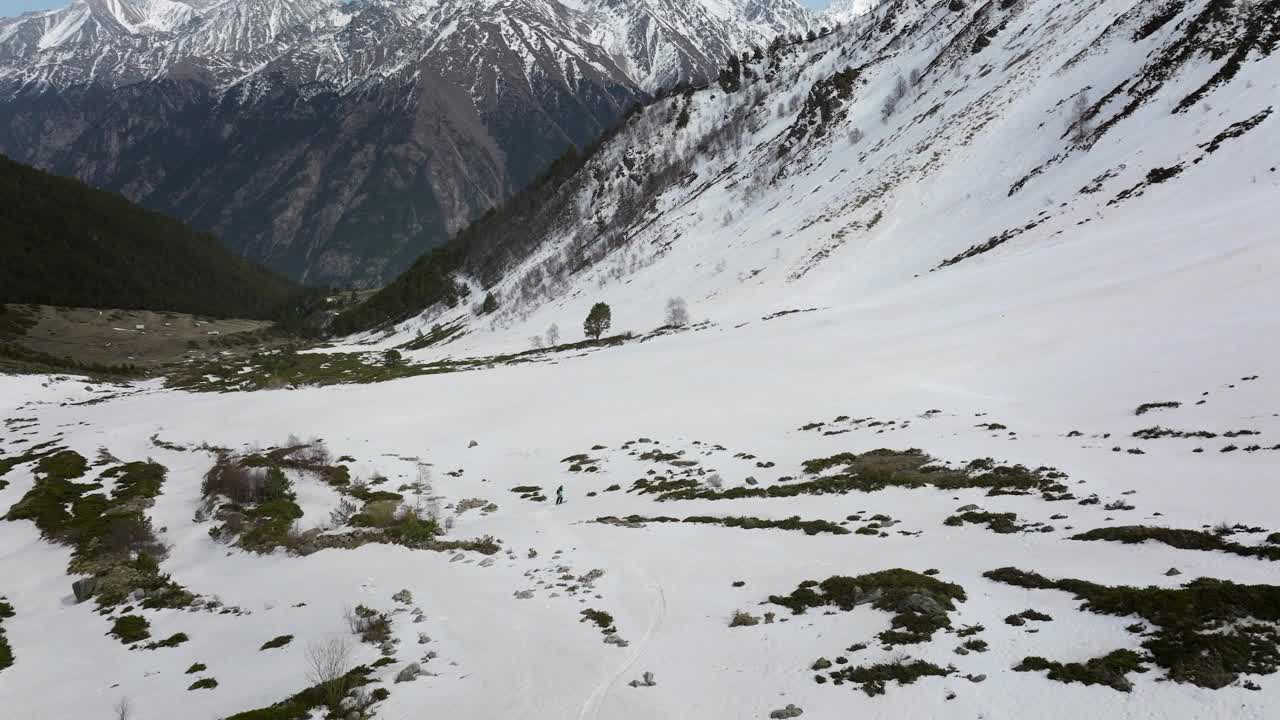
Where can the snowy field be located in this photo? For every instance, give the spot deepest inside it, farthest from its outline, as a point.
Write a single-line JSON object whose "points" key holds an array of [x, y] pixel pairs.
{"points": [[1118, 351], [1072, 338]]}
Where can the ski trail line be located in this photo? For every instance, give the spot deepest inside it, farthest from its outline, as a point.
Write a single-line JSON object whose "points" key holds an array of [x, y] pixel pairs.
{"points": [[658, 611]]}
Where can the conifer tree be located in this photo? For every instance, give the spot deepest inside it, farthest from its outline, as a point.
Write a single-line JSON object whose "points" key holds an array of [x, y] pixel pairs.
{"points": [[598, 321]]}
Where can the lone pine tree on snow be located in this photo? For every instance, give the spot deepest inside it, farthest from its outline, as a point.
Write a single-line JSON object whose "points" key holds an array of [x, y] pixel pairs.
{"points": [[598, 320]]}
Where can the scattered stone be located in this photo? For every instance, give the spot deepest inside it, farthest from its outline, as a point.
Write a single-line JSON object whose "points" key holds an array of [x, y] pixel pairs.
{"points": [[404, 596], [423, 638], [457, 557], [1172, 572], [975, 678], [85, 587], [523, 594], [615, 639], [472, 444], [646, 682], [409, 673], [789, 711], [923, 604]]}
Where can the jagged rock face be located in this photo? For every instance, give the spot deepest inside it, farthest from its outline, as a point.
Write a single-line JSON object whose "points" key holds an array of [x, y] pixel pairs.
{"points": [[336, 142]]}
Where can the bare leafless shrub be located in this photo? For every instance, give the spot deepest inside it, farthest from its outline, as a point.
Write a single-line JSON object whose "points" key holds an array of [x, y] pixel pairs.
{"points": [[895, 96], [342, 514], [123, 709], [233, 481], [1079, 121], [677, 312], [328, 663], [317, 453]]}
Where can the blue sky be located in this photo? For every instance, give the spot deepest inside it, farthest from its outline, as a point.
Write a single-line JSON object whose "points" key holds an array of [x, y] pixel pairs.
{"points": [[17, 7]]}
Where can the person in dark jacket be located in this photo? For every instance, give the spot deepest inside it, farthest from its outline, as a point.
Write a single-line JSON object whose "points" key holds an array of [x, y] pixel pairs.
{"points": [[560, 495]]}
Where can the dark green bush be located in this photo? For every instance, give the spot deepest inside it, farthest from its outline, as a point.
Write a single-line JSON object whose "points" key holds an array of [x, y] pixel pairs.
{"points": [[902, 592], [872, 678], [1110, 669], [601, 618], [300, 705], [6, 652], [1181, 539], [131, 628], [276, 642], [1207, 633], [173, 640]]}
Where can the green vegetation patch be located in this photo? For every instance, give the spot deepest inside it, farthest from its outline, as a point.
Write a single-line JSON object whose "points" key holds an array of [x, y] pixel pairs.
{"points": [[195, 668], [6, 651], [1208, 632], [33, 453], [47, 502], [263, 506], [1179, 538], [920, 604], [1003, 523], [299, 706], [276, 642], [1111, 669], [1145, 408], [173, 640], [372, 626], [809, 527], [131, 629], [287, 367], [529, 492], [1157, 432], [873, 678], [602, 619], [203, 684], [112, 536], [254, 500], [879, 469]]}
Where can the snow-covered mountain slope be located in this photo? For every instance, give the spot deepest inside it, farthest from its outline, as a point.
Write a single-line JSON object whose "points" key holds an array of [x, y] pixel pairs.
{"points": [[842, 11], [915, 142], [337, 141]]}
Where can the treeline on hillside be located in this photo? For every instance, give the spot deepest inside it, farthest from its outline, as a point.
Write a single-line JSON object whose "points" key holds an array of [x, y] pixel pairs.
{"points": [[65, 243], [501, 238], [485, 249]]}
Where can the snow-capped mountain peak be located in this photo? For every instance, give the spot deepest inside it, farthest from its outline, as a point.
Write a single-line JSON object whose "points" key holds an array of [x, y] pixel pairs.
{"points": [[499, 88]]}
